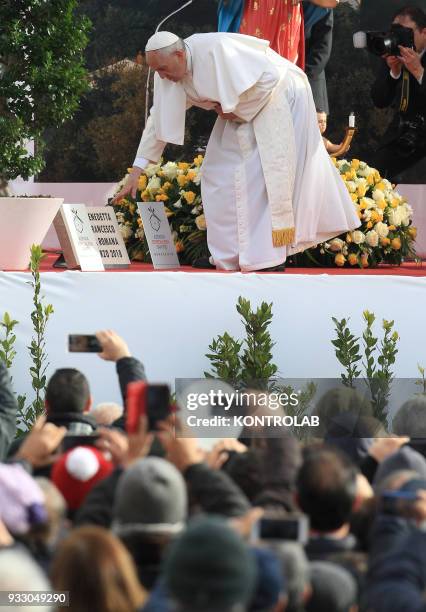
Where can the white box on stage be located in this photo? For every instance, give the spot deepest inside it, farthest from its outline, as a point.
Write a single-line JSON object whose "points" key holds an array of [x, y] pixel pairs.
{"points": [[23, 222]]}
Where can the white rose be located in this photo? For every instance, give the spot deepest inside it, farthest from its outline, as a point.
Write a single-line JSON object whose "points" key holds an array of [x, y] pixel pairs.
{"points": [[125, 230], [154, 185], [178, 204], [336, 245], [381, 229], [152, 169], [200, 222], [120, 217], [170, 170], [368, 203], [351, 186], [372, 238], [358, 237], [378, 195], [395, 216]]}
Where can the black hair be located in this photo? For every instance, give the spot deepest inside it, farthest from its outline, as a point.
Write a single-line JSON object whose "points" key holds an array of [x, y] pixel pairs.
{"points": [[326, 489], [415, 13], [67, 391]]}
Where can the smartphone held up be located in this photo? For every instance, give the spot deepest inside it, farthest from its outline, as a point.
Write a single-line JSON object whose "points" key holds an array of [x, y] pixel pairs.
{"points": [[147, 399]]}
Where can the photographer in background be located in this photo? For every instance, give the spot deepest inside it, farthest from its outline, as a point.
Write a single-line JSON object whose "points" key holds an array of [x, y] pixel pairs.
{"points": [[401, 83]]}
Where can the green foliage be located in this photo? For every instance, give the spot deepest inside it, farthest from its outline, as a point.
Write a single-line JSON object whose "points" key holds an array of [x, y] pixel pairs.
{"points": [[7, 350], [347, 351], [422, 382], [39, 317], [253, 366], [42, 76], [377, 361]]}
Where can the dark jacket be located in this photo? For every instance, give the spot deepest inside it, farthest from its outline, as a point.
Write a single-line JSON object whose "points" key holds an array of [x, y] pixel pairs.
{"points": [[397, 581], [8, 412], [129, 369], [209, 491], [317, 53], [401, 156]]}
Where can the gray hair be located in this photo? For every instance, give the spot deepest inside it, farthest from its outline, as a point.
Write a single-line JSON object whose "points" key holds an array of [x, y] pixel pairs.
{"points": [[295, 567], [106, 413], [179, 45], [410, 420]]}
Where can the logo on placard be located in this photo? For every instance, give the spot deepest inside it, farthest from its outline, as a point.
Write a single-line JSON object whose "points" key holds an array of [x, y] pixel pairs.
{"points": [[154, 220], [78, 223]]}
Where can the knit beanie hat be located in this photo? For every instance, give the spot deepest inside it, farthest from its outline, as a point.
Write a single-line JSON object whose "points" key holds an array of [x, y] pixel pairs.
{"points": [[151, 497], [334, 588], [209, 567], [77, 471]]}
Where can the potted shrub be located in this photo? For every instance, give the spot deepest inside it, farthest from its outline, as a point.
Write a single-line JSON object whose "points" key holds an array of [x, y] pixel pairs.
{"points": [[42, 78]]}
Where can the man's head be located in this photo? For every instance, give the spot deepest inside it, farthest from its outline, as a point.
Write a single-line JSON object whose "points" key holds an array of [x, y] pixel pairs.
{"points": [[322, 121], [68, 391], [327, 489], [166, 55], [414, 18]]}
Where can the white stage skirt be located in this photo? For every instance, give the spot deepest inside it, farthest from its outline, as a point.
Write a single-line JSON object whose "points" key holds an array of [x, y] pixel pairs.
{"points": [[170, 318]]}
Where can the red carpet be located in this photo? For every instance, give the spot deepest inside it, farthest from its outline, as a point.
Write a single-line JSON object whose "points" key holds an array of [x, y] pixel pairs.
{"points": [[407, 269]]}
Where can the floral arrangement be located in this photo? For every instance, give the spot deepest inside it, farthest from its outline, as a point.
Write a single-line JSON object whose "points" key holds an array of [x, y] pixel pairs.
{"points": [[386, 234], [178, 186]]}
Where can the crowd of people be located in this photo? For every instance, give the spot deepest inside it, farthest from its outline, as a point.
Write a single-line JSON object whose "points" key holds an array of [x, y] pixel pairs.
{"points": [[147, 521]]}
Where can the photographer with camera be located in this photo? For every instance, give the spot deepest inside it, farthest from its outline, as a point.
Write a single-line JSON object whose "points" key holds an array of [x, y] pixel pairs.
{"points": [[401, 84]]}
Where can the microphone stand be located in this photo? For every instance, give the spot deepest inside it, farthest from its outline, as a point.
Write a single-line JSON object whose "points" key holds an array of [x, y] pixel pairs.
{"points": [[149, 71]]}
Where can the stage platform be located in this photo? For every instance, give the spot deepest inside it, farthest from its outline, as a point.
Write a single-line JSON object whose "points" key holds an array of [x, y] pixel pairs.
{"points": [[170, 317]]}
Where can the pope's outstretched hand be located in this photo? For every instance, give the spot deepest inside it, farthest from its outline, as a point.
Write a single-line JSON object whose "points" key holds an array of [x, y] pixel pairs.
{"points": [[130, 186]]}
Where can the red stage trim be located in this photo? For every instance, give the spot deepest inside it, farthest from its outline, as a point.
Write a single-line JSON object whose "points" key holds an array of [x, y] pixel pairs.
{"points": [[406, 269]]}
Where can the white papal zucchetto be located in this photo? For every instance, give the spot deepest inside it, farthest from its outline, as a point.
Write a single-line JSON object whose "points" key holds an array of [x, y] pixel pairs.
{"points": [[160, 40]]}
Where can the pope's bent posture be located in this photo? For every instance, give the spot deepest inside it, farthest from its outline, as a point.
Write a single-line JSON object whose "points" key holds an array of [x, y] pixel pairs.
{"points": [[269, 189]]}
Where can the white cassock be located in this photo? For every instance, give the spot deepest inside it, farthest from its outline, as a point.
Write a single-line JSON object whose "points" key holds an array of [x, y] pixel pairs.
{"points": [[269, 188]]}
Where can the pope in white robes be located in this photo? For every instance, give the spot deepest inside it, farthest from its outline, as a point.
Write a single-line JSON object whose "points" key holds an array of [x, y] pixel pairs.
{"points": [[269, 188]]}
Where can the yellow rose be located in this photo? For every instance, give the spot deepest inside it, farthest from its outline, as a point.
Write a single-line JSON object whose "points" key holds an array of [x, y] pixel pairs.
{"points": [[392, 228], [139, 221], [364, 260], [412, 231], [370, 179], [381, 204], [145, 196], [167, 186], [198, 160], [361, 191], [377, 176], [200, 222], [384, 241], [369, 225], [396, 244], [380, 186], [354, 197], [355, 164], [348, 238], [142, 182], [189, 196], [339, 260], [395, 203], [191, 175], [182, 180], [179, 247], [183, 166], [353, 259], [161, 198], [375, 216]]}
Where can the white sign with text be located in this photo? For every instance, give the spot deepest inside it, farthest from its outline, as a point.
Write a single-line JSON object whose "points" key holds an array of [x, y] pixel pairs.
{"points": [[76, 238], [158, 235], [108, 237]]}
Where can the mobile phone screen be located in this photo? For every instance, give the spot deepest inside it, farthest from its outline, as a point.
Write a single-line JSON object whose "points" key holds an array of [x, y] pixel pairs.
{"points": [[80, 343]]}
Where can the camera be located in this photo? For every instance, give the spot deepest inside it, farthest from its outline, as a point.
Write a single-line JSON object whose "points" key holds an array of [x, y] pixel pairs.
{"points": [[385, 43]]}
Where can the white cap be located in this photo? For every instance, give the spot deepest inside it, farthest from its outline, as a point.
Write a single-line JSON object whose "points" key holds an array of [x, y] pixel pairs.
{"points": [[160, 40]]}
